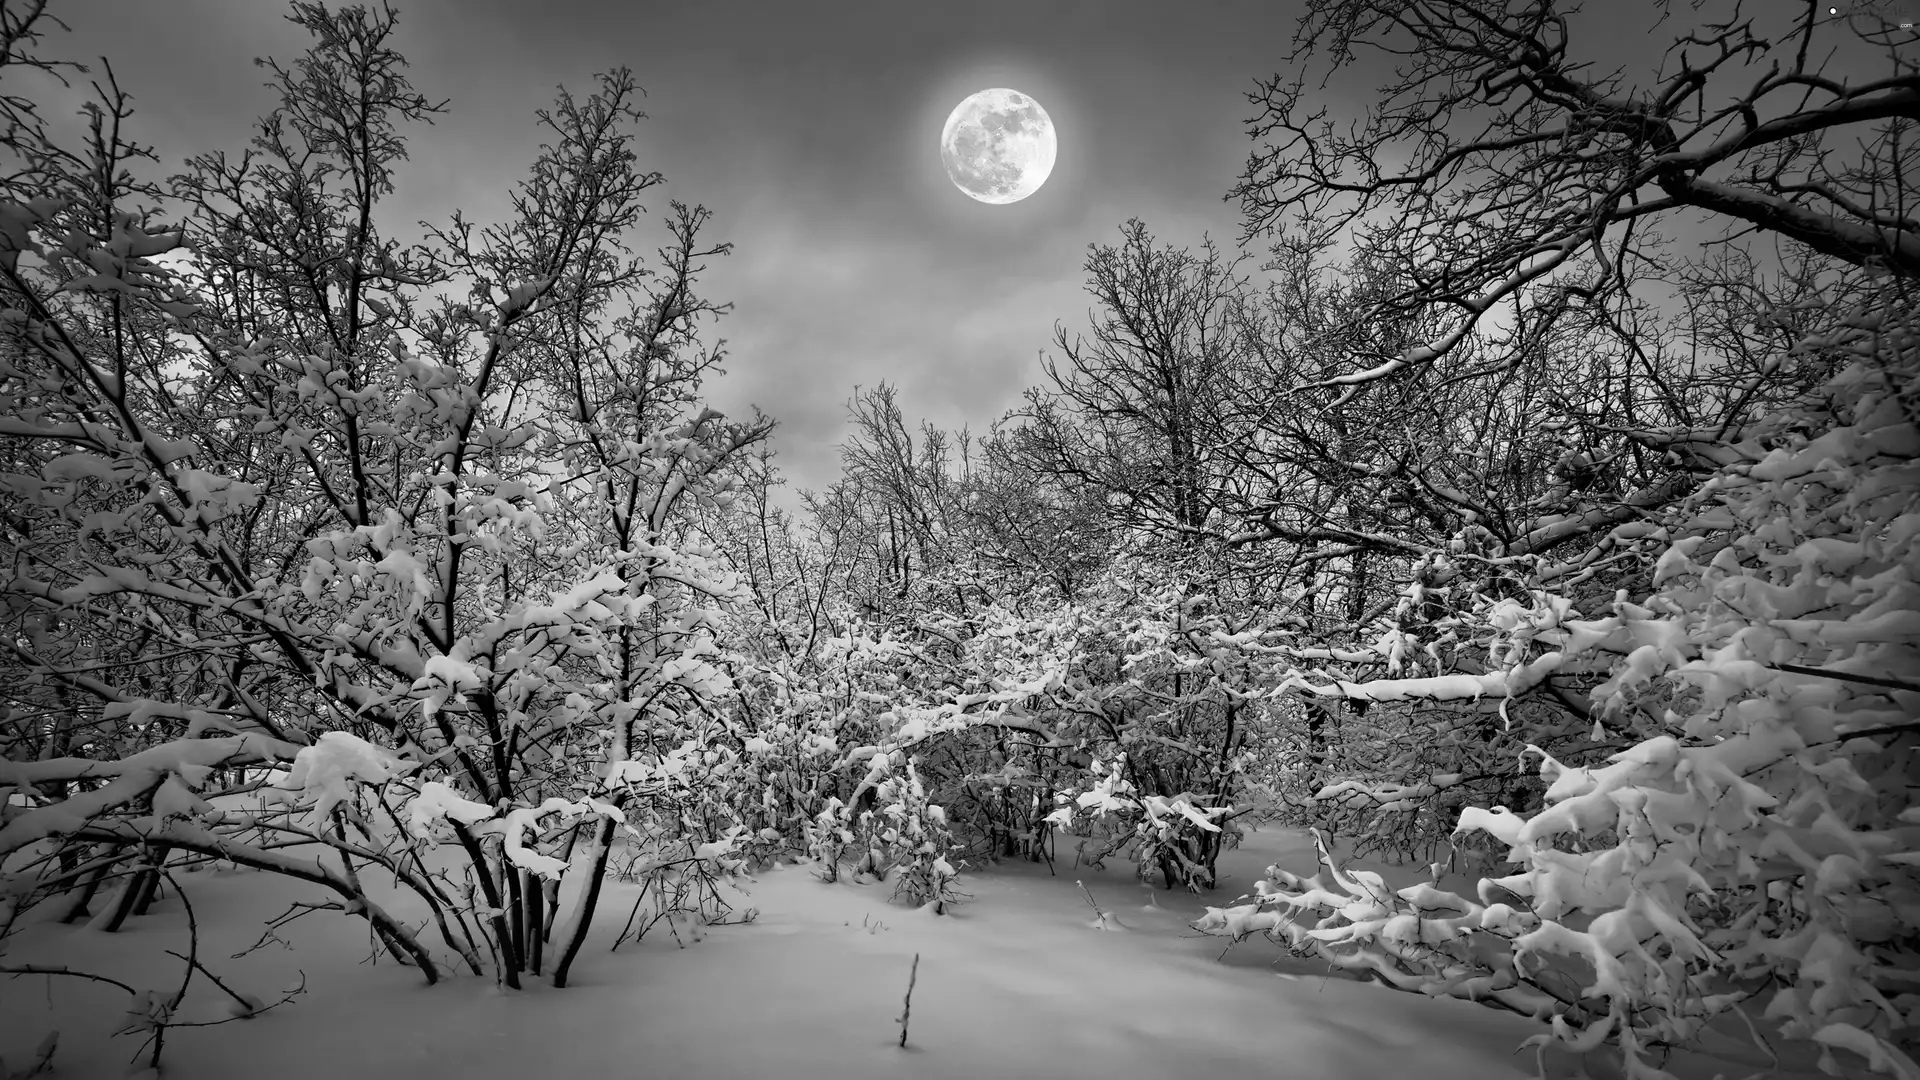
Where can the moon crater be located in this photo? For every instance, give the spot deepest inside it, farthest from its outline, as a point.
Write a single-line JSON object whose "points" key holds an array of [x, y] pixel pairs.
{"points": [[998, 146]]}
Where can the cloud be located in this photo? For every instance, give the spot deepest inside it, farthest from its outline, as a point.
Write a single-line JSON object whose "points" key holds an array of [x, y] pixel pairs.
{"points": [[820, 310], [813, 136]]}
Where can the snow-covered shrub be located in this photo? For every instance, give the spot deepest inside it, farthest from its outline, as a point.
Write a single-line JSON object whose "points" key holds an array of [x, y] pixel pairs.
{"points": [[1157, 831], [891, 829], [1394, 779], [1758, 842], [830, 838], [794, 716], [916, 839], [1141, 671], [1427, 716]]}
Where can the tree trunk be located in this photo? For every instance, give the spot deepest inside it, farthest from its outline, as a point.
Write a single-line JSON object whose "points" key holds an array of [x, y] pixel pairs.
{"points": [[150, 884], [533, 892], [115, 913], [83, 893], [516, 909], [574, 933], [490, 892], [1317, 723]]}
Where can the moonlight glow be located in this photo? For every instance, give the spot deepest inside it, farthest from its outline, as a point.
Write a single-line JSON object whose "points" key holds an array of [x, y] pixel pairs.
{"points": [[998, 146]]}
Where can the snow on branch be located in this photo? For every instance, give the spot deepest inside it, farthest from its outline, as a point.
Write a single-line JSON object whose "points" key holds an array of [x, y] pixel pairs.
{"points": [[188, 762], [1454, 687]]}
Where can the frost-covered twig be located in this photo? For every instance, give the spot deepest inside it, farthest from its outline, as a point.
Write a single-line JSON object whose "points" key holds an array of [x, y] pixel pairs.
{"points": [[1097, 913]]}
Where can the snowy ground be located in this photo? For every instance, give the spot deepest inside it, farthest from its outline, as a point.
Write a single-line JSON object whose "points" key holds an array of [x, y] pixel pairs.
{"points": [[1017, 983]]}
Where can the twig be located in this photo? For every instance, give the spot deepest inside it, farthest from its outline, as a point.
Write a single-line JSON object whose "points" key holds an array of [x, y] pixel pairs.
{"points": [[42, 1057], [239, 999], [159, 1036], [906, 1008], [286, 997], [1096, 907], [37, 969], [1846, 676]]}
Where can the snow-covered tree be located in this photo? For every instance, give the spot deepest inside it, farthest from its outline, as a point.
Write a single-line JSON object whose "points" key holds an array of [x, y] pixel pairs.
{"points": [[1755, 841], [296, 514]]}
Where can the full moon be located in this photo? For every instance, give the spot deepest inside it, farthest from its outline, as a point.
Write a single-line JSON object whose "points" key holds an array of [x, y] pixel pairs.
{"points": [[998, 146]]}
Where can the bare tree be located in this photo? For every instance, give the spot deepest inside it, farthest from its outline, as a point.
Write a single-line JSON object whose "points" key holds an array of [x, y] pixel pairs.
{"points": [[1496, 168], [1145, 410]]}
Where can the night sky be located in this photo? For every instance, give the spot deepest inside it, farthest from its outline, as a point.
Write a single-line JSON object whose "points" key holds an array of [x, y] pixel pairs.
{"points": [[812, 130]]}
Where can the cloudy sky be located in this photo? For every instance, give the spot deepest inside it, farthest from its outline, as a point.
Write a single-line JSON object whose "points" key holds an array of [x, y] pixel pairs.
{"points": [[812, 130]]}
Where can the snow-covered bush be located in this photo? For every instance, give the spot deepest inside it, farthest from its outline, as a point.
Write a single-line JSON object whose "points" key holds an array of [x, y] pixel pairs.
{"points": [[915, 839], [1758, 840], [830, 838], [892, 829], [1155, 830], [1142, 673]]}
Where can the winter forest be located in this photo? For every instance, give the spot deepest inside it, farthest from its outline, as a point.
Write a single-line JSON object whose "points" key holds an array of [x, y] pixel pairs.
{"points": [[1482, 594]]}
